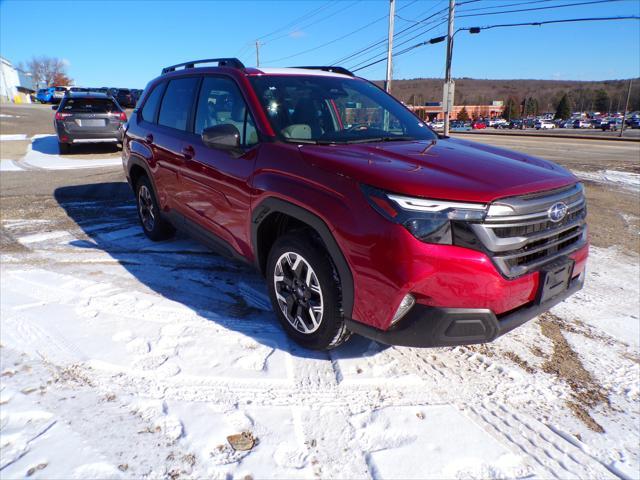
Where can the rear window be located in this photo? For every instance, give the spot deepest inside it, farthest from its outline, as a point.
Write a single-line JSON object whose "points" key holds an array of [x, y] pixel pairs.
{"points": [[90, 105]]}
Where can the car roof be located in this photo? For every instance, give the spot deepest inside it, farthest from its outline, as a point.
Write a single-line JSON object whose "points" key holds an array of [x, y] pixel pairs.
{"points": [[294, 71], [88, 95]]}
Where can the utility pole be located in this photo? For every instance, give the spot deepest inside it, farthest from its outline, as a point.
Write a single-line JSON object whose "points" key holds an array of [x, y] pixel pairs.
{"points": [[257, 53], [448, 83], [626, 107], [392, 15]]}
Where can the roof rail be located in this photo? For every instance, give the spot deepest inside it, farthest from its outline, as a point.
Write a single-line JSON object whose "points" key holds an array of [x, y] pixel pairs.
{"points": [[336, 69], [222, 62]]}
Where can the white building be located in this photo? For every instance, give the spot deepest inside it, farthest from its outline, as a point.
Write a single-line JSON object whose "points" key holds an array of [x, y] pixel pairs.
{"points": [[15, 86]]}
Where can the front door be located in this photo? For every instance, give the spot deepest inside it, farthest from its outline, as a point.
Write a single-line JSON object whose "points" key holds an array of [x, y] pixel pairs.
{"points": [[214, 185]]}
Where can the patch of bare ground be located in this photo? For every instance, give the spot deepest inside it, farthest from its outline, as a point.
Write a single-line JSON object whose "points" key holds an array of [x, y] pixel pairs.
{"points": [[515, 358], [613, 217], [482, 349], [566, 365]]}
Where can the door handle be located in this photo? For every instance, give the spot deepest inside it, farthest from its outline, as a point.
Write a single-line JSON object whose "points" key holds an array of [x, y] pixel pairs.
{"points": [[188, 152], [149, 138]]}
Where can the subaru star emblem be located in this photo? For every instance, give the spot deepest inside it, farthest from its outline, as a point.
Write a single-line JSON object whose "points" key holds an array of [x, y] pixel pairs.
{"points": [[557, 211]]}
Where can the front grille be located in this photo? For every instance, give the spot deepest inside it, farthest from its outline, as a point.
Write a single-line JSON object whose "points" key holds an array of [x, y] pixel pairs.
{"points": [[520, 237]]}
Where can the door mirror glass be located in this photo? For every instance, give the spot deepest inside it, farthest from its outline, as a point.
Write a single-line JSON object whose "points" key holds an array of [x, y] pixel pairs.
{"points": [[222, 137]]}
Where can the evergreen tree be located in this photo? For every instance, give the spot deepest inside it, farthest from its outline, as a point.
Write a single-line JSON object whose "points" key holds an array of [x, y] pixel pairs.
{"points": [[463, 115], [511, 109], [563, 110]]}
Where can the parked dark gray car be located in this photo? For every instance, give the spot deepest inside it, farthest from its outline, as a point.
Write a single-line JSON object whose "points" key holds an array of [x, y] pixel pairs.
{"points": [[88, 118]]}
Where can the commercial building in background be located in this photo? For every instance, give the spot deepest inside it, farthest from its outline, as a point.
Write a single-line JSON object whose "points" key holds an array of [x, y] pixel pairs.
{"points": [[16, 86], [434, 111]]}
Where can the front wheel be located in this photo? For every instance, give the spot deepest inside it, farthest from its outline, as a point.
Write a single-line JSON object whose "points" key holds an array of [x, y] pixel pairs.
{"points": [[305, 292]]}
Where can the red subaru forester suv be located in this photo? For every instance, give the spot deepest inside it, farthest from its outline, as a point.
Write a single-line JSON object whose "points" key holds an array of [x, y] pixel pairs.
{"points": [[360, 217]]}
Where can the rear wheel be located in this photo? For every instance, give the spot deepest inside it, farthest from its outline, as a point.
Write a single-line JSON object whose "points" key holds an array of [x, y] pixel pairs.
{"points": [[305, 292], [64, 148], [154, 225]]}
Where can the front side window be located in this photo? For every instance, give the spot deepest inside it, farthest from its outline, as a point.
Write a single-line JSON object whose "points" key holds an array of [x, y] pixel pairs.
{"points": [[221, 103], [176, 103], [328, 109]]}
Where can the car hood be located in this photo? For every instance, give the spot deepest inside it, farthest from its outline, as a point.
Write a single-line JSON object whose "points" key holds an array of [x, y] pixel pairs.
{"points": [[451, 169]]}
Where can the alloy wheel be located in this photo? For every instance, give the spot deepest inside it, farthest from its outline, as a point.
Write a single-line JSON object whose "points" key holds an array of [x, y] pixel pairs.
{"points": [[298, 292], [145, 206]]}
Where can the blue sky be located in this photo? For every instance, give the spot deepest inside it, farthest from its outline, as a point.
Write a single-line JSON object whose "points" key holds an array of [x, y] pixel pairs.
{"points": [[126, 43]]}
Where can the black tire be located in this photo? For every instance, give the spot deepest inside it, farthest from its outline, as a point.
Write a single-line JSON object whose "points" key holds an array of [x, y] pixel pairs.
{"points": [[331, 330], [154, 225], [64, 148]]}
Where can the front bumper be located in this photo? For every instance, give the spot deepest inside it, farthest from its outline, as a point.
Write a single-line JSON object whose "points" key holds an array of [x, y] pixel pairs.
{"points": [[426, 326]]}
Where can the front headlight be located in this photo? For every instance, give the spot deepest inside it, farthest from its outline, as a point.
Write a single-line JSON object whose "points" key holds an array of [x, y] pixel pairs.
{"points": [[429, 220]]}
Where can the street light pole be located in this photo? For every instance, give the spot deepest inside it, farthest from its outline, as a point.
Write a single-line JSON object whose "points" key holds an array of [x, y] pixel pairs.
{"points": [[626, 107], [392, 15], [448, 83], [257, 53]]}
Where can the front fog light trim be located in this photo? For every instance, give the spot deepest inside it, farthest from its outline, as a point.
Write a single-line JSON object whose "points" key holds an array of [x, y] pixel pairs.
{"points": [[405, 305]]}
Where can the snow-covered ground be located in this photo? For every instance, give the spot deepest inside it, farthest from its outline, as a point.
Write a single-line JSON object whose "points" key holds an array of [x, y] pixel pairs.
{"points": [[626, 180], [43, 154], [122, 358]]}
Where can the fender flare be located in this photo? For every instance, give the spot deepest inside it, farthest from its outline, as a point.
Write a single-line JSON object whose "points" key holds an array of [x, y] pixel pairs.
{"points": [[273, 205]]}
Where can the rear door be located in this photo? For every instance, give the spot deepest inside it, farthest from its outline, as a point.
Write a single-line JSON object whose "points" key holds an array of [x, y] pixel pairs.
{"points": [[86, 116], [214, 185], [169, 135]]}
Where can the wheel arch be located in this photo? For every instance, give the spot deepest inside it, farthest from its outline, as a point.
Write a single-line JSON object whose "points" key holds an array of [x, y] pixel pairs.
{"points": [[265, 229]]}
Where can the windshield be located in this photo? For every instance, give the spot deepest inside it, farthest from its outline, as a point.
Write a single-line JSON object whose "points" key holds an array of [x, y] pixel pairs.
{"points": [[317, 109]]}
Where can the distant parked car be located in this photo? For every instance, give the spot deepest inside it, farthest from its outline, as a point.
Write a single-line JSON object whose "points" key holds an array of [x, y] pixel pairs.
{"points": [[478, 125], [545, 125], [597, 122], [123, 96], [613, 124], [460, 125], [136, 92], [45, 95], [581, 124], [438, 125], [634, 123], [88, 118], [58, 93]]}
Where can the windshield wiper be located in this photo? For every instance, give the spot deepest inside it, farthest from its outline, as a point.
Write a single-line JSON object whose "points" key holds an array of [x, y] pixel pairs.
{"points": [[394, 138]]}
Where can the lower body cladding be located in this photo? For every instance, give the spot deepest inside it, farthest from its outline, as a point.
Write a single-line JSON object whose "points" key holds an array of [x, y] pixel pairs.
{"points": [[439, 326]]}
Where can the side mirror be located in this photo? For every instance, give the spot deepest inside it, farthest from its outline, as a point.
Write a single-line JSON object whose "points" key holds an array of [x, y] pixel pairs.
{"points": [[222, 137], [54, 107]]}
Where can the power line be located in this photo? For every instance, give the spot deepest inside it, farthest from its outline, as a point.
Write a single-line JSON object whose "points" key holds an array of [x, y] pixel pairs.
{"points": [[402, 43], [488, 27], [335, 39], [304, 17], [538, 8], [309, 25], [529, 2], [384, 40], [401, 33]]}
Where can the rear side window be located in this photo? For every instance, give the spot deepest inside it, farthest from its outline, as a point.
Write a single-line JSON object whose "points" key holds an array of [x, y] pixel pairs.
{"points": [[176, 103], [151, 105], [90, 105]]}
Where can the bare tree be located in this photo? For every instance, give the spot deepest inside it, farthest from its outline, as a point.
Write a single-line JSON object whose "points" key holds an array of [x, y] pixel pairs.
{"points": [[45, 70]]}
